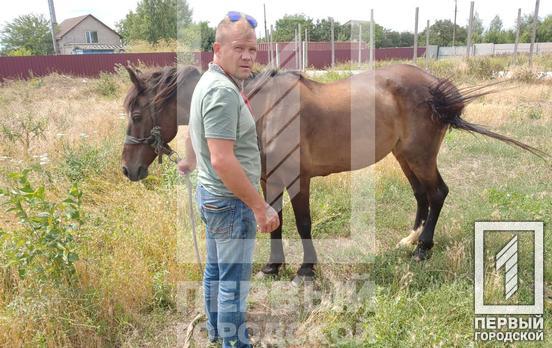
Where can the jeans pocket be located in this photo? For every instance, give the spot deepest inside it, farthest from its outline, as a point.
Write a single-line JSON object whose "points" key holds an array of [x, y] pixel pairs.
{"points": [[219, 216]]}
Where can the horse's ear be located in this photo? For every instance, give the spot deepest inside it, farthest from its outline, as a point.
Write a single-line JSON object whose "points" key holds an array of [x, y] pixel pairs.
{"points": [[135, 79]]}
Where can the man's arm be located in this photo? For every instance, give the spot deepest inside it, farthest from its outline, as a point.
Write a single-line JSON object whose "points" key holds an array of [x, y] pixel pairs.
{"points": [[188, 164], [228, 168]]}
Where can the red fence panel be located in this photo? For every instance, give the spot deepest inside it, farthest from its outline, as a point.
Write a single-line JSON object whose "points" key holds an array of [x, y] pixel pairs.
{"points": [[319, 57], [78, 65]]}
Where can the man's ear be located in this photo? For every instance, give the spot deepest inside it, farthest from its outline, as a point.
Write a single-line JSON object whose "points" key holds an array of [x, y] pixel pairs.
{"points": [[135, 79], [216, 48]]}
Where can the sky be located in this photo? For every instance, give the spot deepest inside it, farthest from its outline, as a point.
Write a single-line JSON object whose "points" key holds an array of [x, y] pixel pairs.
{"points": [[393, 14]]}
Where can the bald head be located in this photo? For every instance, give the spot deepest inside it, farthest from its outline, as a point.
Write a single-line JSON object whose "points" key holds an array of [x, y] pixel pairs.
{"points": [[227, 31], [235, 47]]}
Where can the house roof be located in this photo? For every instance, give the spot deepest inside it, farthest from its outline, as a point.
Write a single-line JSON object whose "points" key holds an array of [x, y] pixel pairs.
{"points": [[70, 23], [95, 46]]}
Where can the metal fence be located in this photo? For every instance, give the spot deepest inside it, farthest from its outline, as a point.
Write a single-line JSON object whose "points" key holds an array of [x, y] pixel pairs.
{"points": [[318, 57]]}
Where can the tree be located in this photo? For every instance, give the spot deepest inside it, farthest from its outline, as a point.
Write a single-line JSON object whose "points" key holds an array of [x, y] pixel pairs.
{"points": [[27, 34], [496, 33], [440, 33], [477, 29], [544, 32], [544, 29], [154, 20], [322, 30], [196, 36], [285, 27]]}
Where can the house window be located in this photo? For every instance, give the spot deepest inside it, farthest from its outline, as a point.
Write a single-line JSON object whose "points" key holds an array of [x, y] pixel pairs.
{"points": [[91, 37]]}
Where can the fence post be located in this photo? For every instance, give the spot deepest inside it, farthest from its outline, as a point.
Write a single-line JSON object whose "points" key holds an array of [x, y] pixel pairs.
{"points": [[359, 45], [533, 33], [427, 46], [415, 53], [517, 34], [271, 49], [300, 46], [372, 43], [468, 45], [277, 56], [453, 26], [296, 44], [332, 41], [306, 50]]}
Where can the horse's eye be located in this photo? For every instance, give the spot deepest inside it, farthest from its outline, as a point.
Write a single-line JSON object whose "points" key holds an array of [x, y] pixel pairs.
{"points": [[136, 116]]}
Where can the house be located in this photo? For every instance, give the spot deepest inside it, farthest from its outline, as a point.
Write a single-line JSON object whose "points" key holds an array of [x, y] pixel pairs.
{"points": [[87, 35]]}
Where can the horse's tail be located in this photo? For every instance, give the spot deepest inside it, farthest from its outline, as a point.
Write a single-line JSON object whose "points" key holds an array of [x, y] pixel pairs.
{"points": [[447, 104]]}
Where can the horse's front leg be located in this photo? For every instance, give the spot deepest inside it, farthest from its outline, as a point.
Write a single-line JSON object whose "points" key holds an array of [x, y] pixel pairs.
{"points": [[277, 258], [301, 208]]}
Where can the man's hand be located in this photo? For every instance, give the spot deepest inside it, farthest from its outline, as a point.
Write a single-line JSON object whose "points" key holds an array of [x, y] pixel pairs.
{"points": [[186, 166], [267, 219]]}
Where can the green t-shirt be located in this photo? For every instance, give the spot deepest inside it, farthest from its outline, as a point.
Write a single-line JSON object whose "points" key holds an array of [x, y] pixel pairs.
{"points": [[218, 111]]}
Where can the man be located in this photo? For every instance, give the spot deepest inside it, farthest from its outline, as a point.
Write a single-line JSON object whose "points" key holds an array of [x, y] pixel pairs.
{"points": [[223, 135]]}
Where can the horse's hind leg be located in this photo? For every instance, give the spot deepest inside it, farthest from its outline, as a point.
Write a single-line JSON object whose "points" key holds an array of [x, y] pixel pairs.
{"points": [[436, 192], [422, 202]]}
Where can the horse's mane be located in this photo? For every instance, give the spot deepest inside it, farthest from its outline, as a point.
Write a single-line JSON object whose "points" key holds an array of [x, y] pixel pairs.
{"points": [[162, 85], [258, 79]]}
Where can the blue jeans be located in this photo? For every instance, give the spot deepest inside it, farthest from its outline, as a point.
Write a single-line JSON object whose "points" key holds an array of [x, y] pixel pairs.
{"points": [[230, 233]]}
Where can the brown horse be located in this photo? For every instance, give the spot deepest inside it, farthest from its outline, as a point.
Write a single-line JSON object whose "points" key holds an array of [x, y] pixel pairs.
{"points": [[309, 129]]}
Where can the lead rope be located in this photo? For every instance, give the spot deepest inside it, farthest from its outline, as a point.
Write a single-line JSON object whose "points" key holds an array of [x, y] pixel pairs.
{"points": [[200, 316], [175, 158]]}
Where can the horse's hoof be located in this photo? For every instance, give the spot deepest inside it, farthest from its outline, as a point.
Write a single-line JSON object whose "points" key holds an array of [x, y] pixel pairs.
{"points": [[271, 269], [299, 280], [422, 252], [304, 274], [411, 239]]}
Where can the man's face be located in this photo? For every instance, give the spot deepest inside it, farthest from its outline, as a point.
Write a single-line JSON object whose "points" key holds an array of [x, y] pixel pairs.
{"points": [[237, 51]]}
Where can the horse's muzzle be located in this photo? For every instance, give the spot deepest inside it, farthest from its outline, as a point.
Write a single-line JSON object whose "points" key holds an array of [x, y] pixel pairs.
{"points": [[135, 175]]}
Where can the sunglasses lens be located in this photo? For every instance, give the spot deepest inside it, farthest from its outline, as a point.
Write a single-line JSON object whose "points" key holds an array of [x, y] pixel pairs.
{"points": [[234, 16], [252, 21]]}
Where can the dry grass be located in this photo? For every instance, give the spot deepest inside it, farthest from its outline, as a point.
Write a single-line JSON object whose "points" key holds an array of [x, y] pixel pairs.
{"points": [[128, 271]]}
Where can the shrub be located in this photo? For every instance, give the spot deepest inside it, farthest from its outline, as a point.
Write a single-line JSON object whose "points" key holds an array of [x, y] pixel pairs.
{"points": [[45, 244], [23, 127], [107, 86], [83, 160]]}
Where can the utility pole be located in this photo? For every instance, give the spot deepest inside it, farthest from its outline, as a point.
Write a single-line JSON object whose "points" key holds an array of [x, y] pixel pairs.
{"points": [[534, 33], [53, 25], [454, 26]]}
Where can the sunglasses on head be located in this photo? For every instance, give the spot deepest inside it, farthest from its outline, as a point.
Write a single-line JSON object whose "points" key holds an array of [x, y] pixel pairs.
{"points": [[236, 16]]}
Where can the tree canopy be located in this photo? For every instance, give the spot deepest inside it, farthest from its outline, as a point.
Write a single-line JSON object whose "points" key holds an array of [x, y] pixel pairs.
{"points": [[155, 20], [27, 35]]}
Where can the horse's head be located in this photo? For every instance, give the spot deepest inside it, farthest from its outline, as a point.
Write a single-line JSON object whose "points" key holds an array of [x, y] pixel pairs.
{"points": [[156, 104]]}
